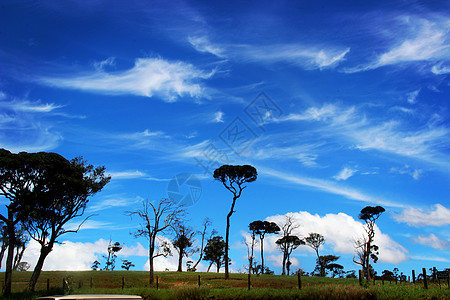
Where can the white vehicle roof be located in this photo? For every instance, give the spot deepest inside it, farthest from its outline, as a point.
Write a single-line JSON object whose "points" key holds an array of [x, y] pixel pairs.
{"points": [[90, 297]]}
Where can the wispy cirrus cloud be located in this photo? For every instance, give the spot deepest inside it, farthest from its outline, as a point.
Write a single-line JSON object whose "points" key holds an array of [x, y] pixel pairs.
{"points": [[439, 215], [423, 142], [432, 241], [114, 201], [304, 56], [419, 40], [345, 174], [327, 186], [148, 77]]}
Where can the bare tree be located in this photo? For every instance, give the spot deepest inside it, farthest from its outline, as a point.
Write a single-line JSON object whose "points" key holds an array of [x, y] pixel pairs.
{"points": [[315, 240], [287, 243], [206, 224], [156, 218], [233, 179]]}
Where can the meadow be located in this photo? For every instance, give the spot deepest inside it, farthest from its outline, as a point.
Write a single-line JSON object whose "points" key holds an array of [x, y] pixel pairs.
{"points": [[174, 285]]}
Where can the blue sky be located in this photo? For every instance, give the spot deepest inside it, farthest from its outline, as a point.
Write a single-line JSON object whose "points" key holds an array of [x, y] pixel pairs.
{"points": [[338, 105]]}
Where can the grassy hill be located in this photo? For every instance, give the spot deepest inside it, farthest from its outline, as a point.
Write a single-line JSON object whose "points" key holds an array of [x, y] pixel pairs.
{"points": [[174, 285]]}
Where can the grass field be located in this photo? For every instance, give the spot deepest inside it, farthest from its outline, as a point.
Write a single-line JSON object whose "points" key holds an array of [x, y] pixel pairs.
{"points": [[174, 285]]}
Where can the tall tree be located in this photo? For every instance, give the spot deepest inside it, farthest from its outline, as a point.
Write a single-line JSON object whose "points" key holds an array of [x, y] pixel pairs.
{"points": [[62, 197], [315, 240], [206, 224], [182, 242], [233, 179], [113, 248], [155, 219], [262, 228], [287, 229], [250, 247], [215, 252], [365, 249]]}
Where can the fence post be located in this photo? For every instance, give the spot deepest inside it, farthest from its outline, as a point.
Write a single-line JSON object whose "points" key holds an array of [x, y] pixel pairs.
{"points": [[249, 283], [199, 282], [123, 282], [92, 283], [157, 282], [299, 276], [360, 278], [414, 276], [48, 284], [425, 282], [64, 284]]}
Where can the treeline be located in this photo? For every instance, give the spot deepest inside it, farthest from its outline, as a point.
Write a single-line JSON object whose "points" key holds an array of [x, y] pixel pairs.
{"points": [[44, 191]]}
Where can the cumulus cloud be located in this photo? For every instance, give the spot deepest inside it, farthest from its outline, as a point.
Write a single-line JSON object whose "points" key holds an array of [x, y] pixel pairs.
{"points": [[432, 241], [439, 215], [340, 231], [148, 77]]}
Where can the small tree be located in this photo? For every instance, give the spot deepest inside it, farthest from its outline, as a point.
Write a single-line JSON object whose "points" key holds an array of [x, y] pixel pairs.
{"points": [[95, 265], [156, 218], [315, 240], [126, 264], [183, 241], [365, 249], [23, 266], [215, 251], [233, 179]]}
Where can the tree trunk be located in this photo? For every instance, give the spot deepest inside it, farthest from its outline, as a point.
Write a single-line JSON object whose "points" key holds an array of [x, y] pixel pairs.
{"points": [[218, 266], [9, 258], [227, 235], [262, 256], [284, 264], [45, 250], [180, 261], [209, 267], [151, 251]]}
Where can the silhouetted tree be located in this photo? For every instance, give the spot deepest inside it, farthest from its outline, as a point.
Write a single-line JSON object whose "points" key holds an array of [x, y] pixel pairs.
{"points": [[287, 229], [95, 265], [126, 264], [113, 248], [262, 228], [183, 241], [156, 218], [61, 197], [287, 244], [233, 179], [215, 252], [365, 249], [315, 240], [250, 247], [327, 262]]}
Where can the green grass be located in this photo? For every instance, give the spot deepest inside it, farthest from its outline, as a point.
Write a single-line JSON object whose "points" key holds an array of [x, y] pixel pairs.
{"points": [[175, 285]]}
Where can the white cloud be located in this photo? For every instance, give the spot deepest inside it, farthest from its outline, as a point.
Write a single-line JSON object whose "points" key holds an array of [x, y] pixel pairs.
{"points": [[345, 174], [340, 231], [432, 241], [422, 40], [100, 65], [440, 69], [126, 174], [218, 117], [439, 216], [148, 77], [412, 97], [202, 44], [414, 173], [114, 201]]}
